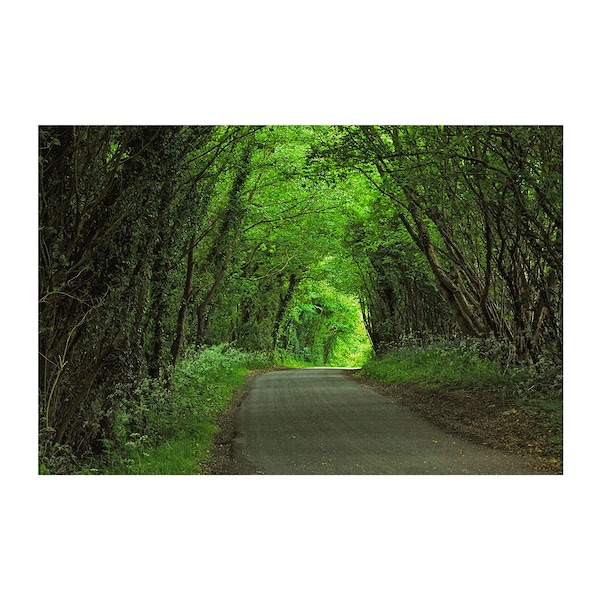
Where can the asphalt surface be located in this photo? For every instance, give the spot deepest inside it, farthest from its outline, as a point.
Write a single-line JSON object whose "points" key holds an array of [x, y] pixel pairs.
{"points": [[320, 421]]}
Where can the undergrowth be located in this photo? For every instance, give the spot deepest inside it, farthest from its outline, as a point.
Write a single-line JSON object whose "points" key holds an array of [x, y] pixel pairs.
{"points": [[166, 427], [433, 366]]}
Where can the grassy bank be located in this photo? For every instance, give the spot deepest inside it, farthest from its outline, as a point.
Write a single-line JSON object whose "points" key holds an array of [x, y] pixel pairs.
{"points": [[533, 391], [434, 366], [167, 428], [203, 385]]}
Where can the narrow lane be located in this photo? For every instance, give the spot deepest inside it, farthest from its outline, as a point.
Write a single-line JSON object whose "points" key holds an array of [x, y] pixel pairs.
{"points": [[318, 421]]}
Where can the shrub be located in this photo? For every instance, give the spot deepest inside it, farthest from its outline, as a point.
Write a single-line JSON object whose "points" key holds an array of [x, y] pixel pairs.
{"points": [[166, 425]]}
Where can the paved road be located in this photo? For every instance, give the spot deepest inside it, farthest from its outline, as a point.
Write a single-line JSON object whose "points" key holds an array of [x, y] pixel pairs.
{"points": [[319, 421]]}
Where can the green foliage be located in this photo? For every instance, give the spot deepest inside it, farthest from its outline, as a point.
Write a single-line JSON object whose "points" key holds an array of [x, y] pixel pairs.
{"points": [[482, 207], [206, 377], [325, 327], [435, 365], [167, 428], [173, 258], [60, 460], [539, 387], [179, 424]]}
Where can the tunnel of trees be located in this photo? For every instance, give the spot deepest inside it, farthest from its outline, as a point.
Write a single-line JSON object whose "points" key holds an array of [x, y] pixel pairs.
{"points": [[292, 240]]}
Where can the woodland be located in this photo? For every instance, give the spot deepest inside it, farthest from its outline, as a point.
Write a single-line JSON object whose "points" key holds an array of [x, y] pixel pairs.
{"points": [[273, 245]]}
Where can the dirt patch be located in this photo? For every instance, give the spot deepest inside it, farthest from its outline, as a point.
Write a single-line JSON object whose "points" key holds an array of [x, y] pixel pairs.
{"points": [[480, 417]]}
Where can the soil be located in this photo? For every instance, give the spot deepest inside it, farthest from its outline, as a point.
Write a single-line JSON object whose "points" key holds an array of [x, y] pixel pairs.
{"points": [[477, 416]]}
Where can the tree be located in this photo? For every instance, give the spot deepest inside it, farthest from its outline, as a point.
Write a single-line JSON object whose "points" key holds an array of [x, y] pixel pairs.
{"points": [[114, 202], [483, 207]]}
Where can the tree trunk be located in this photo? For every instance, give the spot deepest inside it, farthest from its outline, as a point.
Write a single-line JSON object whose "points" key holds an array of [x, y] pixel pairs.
{"points": [[202, 308], [285, 301], [187, 293], [463, 313]]}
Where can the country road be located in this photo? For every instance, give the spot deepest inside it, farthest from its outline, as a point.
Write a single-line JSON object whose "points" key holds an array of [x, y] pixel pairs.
{"points": [[320, 421]]}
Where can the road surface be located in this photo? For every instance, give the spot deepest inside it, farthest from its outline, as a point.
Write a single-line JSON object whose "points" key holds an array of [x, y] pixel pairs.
{"points": [[320, 421]]}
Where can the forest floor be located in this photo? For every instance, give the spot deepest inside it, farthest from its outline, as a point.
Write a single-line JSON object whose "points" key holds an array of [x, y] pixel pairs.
{"points": [[480, 416]]}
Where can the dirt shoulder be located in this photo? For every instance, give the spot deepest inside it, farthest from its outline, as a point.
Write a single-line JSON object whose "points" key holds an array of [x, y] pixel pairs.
{"points": [[479, 416]]}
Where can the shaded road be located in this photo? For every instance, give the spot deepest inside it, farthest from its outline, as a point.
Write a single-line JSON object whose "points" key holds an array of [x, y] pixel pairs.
{"points": [[319, 421]]}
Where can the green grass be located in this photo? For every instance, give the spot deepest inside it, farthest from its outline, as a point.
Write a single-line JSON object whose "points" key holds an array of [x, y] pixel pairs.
{"points": [[177, 456], [288, 360], [434, 366], [170, 431]]}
